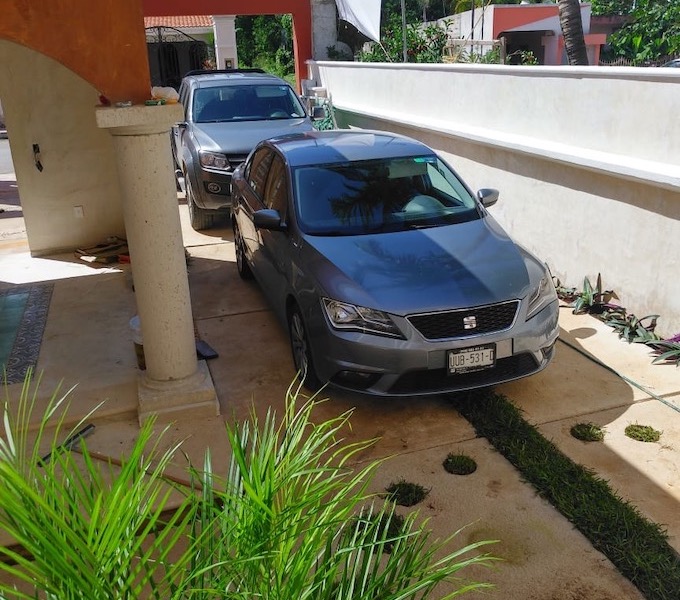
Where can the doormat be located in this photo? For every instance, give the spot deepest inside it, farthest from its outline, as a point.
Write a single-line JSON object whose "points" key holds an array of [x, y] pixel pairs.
{"points": [[23, 314]]}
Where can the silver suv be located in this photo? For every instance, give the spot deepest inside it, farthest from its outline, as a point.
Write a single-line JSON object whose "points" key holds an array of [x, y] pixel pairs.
{"points": [[226, 113]]}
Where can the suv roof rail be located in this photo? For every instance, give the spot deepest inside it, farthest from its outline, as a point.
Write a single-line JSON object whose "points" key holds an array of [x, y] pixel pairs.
{"points": [[214, 71]]}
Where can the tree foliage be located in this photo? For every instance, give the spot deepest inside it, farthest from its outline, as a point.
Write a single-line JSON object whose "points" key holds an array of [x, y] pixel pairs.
{"points": [[612, 7], [266, 42], [653, 31], [423, 45]]}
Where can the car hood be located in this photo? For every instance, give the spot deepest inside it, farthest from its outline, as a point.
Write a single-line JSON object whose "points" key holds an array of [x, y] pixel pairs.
{"points": [[241, 137], [456, 266]]}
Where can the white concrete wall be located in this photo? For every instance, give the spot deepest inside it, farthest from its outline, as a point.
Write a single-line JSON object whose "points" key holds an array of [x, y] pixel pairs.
{"points": [[48, 105], [324, 28], [225, 41], [587, 159]]}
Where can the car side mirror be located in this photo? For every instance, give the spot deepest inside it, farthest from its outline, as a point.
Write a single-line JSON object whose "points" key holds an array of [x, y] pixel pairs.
{"points": [[488, 196], [269, 219], [318, 113], [182, 125]]}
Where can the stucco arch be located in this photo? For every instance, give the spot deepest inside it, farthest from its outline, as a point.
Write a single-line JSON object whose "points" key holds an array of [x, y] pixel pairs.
{"points": [[60, 56], [102, 41], [101, 169], [48, 104]]}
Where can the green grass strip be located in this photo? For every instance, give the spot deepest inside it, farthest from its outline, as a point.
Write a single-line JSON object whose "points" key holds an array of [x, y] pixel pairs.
{"points": [[637, 547]]}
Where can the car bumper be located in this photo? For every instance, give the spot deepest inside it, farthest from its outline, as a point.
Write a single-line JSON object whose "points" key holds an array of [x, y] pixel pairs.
{"points": [[384, 366], [214, 190]]}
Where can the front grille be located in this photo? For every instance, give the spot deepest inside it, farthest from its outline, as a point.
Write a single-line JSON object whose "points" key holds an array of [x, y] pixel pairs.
{"points": [[450, 324], [236, 159], [434, 380]]}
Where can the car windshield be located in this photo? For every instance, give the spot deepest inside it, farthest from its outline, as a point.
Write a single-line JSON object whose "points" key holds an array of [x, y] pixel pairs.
{"points": [[384, 195], [245, 103]]}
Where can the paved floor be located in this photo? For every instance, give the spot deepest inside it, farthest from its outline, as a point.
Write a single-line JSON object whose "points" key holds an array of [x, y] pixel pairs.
{"points": [[87, 343]]}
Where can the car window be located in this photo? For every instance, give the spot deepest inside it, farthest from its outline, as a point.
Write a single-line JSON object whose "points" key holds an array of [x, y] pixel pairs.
{"points": [[259, 167], [184, 97], [380, 196], [254, 102], [276, 192]]}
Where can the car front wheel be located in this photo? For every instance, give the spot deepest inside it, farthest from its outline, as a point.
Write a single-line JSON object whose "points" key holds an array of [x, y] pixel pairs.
{"points": [[198, 217], [302, 352]]}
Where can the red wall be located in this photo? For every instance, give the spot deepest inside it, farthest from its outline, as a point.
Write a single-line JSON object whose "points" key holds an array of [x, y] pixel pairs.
{"points": [[102, 41], [506, 18]]}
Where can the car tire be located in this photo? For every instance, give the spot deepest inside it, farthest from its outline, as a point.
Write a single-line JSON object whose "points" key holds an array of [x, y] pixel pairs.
{"points": [[301, 350], [239, 248], [198, 217]]}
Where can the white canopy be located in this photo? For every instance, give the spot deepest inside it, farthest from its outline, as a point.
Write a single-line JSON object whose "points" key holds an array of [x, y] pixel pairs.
{"points": [[363, 14]]}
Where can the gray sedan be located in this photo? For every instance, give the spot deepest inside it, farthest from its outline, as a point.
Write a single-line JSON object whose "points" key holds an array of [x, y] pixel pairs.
{"points": [[390, 275]]}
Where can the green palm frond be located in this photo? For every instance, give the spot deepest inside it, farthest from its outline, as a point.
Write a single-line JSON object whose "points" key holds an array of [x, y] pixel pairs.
{"points": [[292, 517]]}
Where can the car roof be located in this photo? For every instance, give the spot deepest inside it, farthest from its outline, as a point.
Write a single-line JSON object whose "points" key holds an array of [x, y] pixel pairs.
{"points": [[221, 79], [345, 145]]}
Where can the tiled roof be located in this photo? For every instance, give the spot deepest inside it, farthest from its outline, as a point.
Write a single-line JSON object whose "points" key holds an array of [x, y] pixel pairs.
{"points": [[183, 22]]}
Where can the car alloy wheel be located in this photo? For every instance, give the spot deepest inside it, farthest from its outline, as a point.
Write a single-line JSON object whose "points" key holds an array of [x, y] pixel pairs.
{"points": [[302, 355], [241, 263]]}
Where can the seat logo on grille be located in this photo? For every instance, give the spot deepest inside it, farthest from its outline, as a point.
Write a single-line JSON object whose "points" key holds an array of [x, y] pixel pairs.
{"points": [[469, 322]]}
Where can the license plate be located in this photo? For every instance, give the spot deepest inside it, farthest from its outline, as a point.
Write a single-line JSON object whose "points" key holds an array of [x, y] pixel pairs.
{"points": [[472, 359]]}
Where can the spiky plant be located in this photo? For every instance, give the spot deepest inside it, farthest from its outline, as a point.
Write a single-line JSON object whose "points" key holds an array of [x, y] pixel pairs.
{"points": [[291, 518], [83, 529]]}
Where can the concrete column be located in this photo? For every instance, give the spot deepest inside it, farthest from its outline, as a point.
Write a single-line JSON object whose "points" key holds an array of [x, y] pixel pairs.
{"points": [[174, 381], [226, 56], [324, 28]]}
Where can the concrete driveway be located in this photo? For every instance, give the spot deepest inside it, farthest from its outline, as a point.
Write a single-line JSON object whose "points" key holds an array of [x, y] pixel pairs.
{"points": [[544, 557]]}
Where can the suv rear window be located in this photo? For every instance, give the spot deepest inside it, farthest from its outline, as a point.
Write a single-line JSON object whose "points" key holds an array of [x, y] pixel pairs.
{"points": [[245, 103]]}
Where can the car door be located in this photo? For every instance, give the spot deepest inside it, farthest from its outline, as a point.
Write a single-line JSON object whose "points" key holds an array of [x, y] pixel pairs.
{"points": [[252, 194], [178, 129], [275, 246]]}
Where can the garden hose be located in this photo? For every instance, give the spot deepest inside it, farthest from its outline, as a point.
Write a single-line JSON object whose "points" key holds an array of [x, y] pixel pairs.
{"points": [[626, 379]]}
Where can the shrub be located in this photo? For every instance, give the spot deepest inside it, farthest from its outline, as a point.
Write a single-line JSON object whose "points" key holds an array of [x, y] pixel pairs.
{"points": [[289, 519]]}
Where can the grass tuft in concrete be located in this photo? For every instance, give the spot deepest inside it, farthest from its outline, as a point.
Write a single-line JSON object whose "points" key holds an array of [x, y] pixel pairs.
{"points": [[636, 546], [459, 464], [642, 433], [587, 432], [405, 493]]}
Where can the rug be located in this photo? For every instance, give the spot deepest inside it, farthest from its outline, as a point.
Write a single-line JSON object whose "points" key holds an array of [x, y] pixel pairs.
{"points": [[23, 314]]}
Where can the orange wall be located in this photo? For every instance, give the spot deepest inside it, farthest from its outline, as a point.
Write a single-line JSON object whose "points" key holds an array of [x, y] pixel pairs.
{"points": [[506, 18], [103, 41], [300, 9]]}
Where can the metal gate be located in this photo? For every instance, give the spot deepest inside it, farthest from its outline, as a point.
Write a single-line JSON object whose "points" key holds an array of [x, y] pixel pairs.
{"points": [[172, 53]]}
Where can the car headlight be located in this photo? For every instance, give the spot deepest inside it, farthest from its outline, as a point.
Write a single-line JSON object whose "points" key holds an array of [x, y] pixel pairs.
{"points": [[214, 160], [543, 295], [359, 318]]}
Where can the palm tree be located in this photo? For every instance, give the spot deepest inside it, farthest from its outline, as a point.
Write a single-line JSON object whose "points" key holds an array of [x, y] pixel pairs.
{"points": [[572, 30]]}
